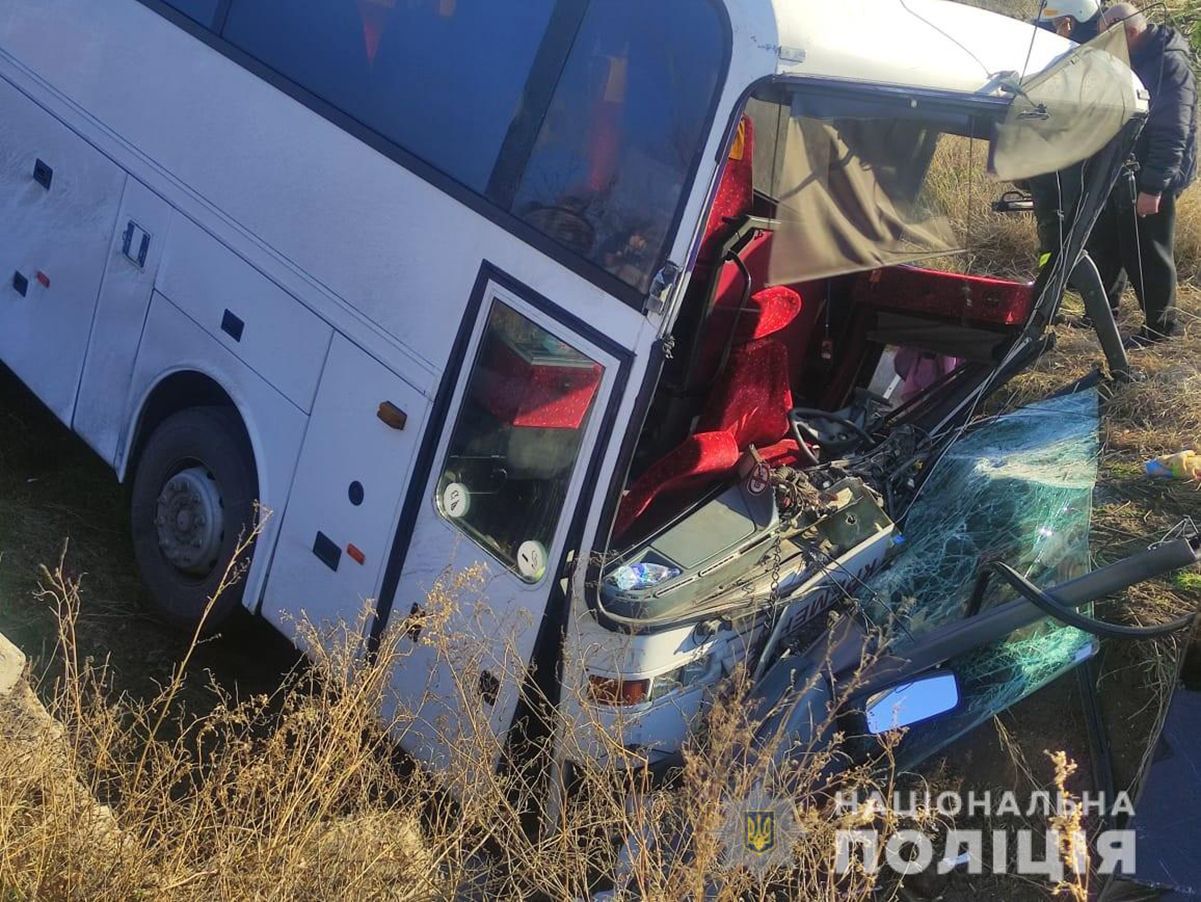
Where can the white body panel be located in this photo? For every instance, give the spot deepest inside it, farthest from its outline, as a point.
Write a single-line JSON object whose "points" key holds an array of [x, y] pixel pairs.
{"points": [[346, 443], [101, 414], [936, 44], [249, 314], [57, 241]]}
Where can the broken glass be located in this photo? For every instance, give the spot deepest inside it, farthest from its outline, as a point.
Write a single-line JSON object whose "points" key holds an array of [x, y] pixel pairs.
{"points": [[1017, 489]]}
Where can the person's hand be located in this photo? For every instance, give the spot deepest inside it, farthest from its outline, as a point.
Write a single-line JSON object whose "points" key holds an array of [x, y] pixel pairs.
{"points": [[1148, 204]]}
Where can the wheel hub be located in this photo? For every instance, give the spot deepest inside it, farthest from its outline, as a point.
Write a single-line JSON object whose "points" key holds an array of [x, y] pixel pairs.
{"points": [[190, 521]]}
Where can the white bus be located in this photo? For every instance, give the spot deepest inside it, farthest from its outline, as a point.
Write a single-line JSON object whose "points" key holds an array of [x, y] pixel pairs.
{"points": [[551, 287]]}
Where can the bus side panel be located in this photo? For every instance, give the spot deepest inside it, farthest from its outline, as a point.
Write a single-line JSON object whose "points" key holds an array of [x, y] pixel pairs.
{"points": [[357, 461], [174, 343], [58, 204], [245, 311], [133, 259]]}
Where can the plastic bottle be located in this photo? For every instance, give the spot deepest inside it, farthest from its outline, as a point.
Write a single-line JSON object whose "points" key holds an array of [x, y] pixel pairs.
{"points": [[1182, 465]]}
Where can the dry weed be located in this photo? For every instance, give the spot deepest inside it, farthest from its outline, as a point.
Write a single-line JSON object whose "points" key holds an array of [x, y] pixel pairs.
{"points": [[302, 794]]}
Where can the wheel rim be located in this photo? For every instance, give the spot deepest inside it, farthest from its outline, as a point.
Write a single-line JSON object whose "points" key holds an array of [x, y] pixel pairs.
{"points": [[190, 521]]}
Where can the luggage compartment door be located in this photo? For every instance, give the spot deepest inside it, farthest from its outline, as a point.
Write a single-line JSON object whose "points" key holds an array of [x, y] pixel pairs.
{"points": [[59, 199]]}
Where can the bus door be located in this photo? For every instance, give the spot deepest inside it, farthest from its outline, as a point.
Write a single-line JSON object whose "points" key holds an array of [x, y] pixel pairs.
{"points": [[487, 552]]}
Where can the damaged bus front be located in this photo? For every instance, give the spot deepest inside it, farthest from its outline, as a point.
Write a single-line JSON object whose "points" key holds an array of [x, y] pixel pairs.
{"points": [[838, 331]]}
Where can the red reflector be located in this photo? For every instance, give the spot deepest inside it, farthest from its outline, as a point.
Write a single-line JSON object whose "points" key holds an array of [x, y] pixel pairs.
{"points": [[617, 692], [43, 280], [355, 554]]}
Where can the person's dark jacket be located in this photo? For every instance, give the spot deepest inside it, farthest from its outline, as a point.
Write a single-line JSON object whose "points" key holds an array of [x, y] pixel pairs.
{"points": [[1167, 147], [1087, 30]]}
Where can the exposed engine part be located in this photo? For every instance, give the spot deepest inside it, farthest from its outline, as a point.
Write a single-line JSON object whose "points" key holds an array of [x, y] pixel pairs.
{"points": [[797, 498]]}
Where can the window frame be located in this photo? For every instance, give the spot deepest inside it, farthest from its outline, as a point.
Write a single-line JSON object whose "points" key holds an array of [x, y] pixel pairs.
{"points": [[477, 202]]}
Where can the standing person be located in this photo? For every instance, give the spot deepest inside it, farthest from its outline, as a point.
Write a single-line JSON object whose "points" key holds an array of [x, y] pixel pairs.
{"points": [[1079, 20], [1055, 194], [1137, 228]]}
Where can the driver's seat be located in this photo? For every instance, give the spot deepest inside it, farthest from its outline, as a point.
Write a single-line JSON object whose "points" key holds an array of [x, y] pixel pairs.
{"points": [[749, 405]]}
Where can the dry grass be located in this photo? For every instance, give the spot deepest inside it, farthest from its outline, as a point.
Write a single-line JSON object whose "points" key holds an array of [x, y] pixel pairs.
{"points": [[301, 794]]}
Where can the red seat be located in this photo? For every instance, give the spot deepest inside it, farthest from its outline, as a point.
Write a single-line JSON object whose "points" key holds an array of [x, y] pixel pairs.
{"points": [[749, 405]]}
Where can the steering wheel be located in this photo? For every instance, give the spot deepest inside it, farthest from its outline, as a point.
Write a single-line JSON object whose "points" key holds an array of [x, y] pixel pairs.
{"points": [[803, 432]]}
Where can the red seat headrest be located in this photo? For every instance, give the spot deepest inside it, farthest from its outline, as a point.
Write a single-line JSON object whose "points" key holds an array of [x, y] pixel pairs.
{"points": [[771, 310]]}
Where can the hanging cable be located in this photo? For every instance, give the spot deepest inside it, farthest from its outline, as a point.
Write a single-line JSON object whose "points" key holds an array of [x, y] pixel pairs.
{"points": [[1034, 34], [1072, 617]]}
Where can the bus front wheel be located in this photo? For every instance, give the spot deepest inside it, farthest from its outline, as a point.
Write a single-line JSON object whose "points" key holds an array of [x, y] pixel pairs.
{"points": [[192, 506]]}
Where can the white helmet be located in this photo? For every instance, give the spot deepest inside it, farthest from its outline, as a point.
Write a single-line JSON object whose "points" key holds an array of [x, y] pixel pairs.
{"points": [[1080, 10]]}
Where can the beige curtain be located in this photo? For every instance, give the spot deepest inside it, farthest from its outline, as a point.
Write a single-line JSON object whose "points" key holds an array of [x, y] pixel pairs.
{"points": [[1069, 112], [850, 198]]}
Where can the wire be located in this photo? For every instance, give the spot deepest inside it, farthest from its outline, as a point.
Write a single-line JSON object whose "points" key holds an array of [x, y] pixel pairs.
{"points": [[1070, 616], [1033, 36], [950, 37]]}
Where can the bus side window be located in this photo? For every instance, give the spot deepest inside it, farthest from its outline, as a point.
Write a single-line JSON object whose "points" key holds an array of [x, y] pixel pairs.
{"points": [[516, 440], [202, 11], [624, 128], [443, 79]]}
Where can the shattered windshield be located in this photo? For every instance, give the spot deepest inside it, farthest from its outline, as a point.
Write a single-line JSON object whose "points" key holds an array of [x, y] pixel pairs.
{"points": [[1017, 489]]}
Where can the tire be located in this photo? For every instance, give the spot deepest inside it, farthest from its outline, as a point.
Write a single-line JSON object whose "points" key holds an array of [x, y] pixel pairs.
{"points": [[193, 500]]}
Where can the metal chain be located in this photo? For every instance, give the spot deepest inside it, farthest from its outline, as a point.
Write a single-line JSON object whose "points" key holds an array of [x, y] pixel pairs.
{"points": [[776, 566]]}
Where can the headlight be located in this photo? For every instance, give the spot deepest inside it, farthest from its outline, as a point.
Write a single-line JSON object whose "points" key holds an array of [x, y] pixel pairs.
{"points": [[641, 576], [682, 678]]}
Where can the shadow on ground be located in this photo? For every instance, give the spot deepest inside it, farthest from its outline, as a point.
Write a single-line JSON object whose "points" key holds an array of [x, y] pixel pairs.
{"points": [[55, 494]]}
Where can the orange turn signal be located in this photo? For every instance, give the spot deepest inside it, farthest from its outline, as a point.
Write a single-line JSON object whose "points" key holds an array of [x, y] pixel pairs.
{"points": [[392, 416], [618, 692]]}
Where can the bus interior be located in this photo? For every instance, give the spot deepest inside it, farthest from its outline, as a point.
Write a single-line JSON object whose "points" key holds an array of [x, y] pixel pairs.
{"points": [[836, 311]]}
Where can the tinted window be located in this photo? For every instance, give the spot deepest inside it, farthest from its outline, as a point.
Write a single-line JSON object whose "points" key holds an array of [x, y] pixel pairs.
{"points": [[623, 130], [203, 11], [442, 78]]}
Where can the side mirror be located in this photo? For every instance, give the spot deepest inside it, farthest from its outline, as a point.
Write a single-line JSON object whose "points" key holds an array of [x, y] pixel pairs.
{"points": [[912, 702]]}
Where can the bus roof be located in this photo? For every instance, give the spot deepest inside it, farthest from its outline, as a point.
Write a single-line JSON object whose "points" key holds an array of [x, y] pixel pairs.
{"points": [[931, 44]]}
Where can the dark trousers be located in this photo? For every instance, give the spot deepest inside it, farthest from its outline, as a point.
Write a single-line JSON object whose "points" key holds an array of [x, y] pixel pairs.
{"points": [[1144, 249]]}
